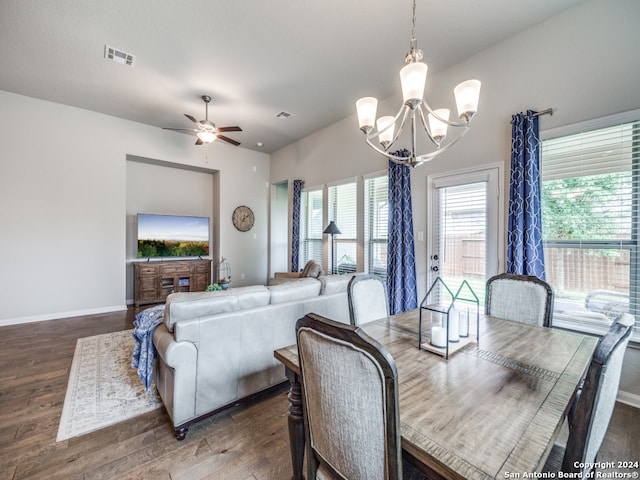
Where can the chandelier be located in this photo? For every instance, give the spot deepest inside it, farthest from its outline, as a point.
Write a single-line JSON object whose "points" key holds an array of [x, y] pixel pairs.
{"points": [[412, 78]]}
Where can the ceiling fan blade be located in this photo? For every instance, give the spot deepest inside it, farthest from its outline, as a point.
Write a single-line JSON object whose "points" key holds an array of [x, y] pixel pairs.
{"points": [[227, 139], [229, 129], [199, 142], [192, 119], [191, 130]]}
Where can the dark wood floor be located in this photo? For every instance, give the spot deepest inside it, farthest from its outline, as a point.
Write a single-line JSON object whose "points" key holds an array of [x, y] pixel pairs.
{"points": [[243, 443]]}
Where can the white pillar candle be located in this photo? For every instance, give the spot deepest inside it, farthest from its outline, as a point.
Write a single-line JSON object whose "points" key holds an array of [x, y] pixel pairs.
{"points": [[464, 323], [454, 326], [438, 337]]}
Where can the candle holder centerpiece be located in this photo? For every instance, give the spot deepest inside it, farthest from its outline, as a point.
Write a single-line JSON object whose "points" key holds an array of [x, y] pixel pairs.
{"points": [[447, 318]]}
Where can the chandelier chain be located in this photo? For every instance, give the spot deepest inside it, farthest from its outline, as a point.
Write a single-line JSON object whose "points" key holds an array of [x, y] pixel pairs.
{"points": [[414, 54], [413, 28]]}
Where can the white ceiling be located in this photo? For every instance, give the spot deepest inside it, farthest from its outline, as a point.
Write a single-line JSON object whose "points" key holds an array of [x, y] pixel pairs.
{"points": [[256, 58]]}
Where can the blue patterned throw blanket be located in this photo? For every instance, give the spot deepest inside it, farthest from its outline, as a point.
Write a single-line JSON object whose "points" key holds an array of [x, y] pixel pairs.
{"points": [[144, 352]]}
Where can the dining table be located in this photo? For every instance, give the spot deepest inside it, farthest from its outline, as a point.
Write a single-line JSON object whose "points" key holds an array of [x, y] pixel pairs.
{"points": [[493, 409]]}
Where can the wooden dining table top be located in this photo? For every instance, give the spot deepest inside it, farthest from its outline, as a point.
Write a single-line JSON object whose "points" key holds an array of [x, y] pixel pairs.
{"points": [[492, 409]]}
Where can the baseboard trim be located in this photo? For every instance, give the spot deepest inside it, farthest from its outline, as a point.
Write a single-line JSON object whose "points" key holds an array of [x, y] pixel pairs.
{"points": [[57, 316], [628, 399]]}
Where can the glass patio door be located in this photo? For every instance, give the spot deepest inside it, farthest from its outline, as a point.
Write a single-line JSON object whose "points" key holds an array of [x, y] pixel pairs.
{"points": [[464, 242]]}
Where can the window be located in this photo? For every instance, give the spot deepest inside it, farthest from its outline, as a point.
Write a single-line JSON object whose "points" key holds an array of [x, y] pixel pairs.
{"points": [[343, 211], [590, 208], [311, 226], [376, 218]]}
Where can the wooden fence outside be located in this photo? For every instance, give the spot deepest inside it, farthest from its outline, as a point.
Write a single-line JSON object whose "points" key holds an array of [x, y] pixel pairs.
{"points": [[567, 269]]}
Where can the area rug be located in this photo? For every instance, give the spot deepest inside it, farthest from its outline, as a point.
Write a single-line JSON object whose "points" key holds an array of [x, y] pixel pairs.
{"points": [[103, 389]]}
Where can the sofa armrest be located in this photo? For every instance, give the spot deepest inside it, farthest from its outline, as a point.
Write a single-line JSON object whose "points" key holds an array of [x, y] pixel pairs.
{"points": [[286, 275], [282, 277], [174, 354], [176, 375]]}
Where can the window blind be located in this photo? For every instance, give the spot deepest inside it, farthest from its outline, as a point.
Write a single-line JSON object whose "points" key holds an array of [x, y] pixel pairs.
{"points": [[461, 240], [590, 207], [376, 218], [343, 211]]}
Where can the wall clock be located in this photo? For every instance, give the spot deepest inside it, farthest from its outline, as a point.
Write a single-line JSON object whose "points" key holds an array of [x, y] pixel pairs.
{"points": [[243, 218]]}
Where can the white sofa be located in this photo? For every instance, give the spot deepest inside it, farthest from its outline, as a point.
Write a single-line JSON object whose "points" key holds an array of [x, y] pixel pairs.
{"points": [[216, 348]]}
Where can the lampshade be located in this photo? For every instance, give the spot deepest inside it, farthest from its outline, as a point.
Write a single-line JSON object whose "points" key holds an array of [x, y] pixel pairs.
{"points": [[438, 127], [366, 108], [413, 77], [467, 95], [385, 136], [206, 137], [332, 228]]}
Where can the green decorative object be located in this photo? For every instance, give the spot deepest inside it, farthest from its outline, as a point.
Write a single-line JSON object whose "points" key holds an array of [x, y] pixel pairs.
{"points": [[213, 287]]}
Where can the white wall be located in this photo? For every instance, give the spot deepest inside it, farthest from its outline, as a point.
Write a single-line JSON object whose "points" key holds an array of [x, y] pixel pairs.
{"points": [[566, 63], [63, 197]]}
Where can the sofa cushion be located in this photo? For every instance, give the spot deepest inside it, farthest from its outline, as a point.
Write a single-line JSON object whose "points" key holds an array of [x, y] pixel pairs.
{"points": [[334, 283], [189, 305], [252, 296], [294, 290]]}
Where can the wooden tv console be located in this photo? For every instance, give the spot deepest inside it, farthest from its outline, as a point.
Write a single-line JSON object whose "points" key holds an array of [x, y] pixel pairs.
{"points": [[155, 280]]}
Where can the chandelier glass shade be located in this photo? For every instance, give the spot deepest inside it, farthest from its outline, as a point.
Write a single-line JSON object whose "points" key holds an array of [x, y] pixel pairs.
{"points": [[419, 114]]}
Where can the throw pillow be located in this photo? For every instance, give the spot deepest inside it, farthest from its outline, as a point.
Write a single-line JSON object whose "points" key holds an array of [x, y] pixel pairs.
{"points": [[312, 269]]}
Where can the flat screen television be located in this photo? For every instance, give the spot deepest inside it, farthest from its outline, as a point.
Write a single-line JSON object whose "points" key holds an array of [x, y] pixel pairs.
{"points": [[172, 236]]}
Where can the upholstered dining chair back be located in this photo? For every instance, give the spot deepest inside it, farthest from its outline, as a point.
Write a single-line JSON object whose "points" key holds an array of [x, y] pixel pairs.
{"points": [[595, 405], [350, 402], [367, 296], [521, 298]]}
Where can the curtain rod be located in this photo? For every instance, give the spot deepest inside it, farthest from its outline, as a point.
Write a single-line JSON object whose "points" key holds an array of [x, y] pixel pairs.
{"points": [[543, 112], [548, 111]]}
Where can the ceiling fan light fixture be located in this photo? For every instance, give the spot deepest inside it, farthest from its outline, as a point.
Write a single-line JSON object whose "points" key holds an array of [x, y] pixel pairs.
{"points": [[205, 130], [206, 137]]}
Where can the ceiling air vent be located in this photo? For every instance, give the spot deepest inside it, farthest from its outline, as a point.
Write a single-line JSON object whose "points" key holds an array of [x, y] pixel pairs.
{"points": [[118, 56], [284, 115]]}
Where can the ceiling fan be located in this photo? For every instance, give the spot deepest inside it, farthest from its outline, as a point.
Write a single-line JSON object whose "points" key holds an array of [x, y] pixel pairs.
{"points": [[207, 131]]}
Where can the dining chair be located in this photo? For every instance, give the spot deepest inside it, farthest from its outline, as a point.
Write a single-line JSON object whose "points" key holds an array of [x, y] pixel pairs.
{"points": [[594, 407], [350, 403], [521, 298], [367, 296]]}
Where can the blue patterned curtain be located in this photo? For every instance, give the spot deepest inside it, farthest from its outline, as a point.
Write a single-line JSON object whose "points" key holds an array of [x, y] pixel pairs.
{"points": [[295, 225], [524, 237], [401, 263]]}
